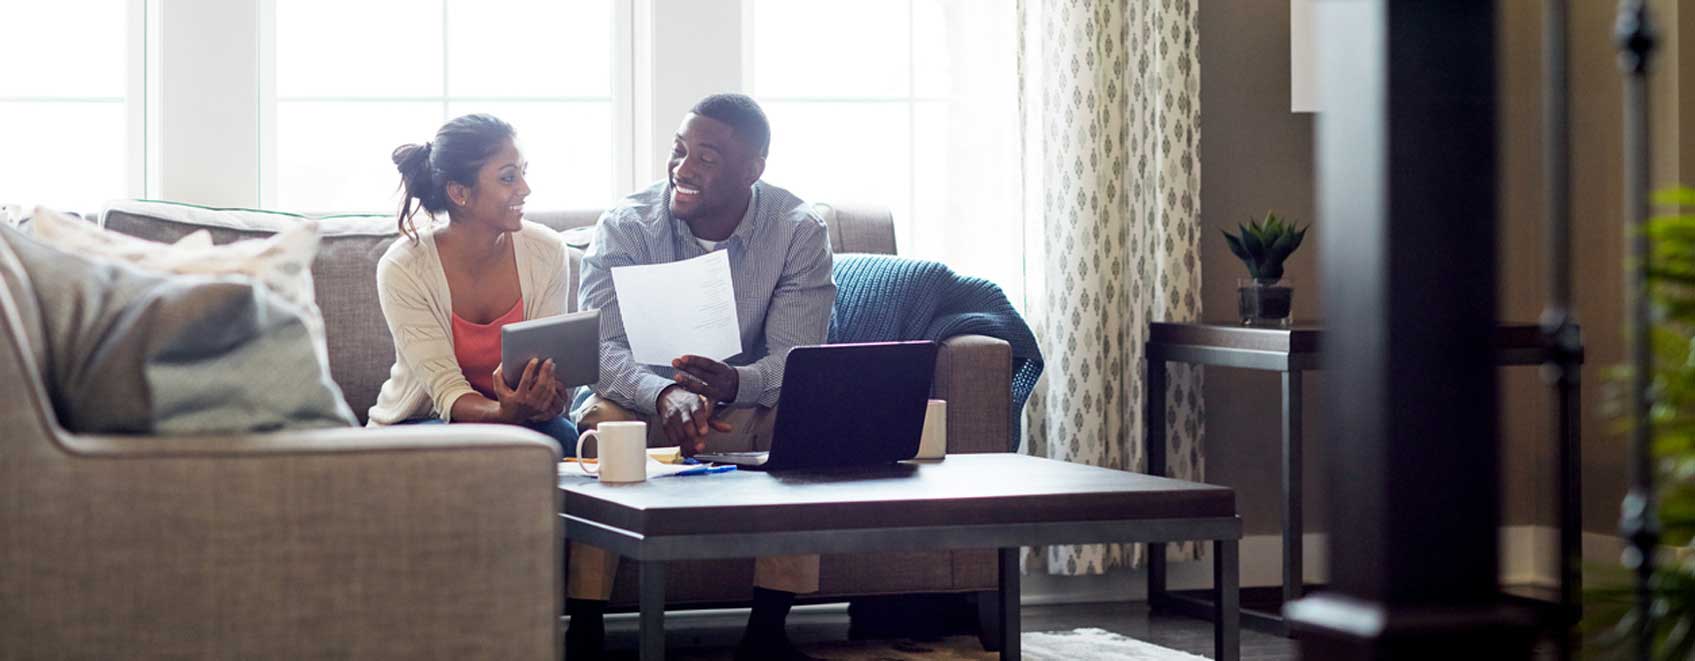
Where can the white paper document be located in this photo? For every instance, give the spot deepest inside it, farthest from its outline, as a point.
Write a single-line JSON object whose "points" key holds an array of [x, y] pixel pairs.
{"points": [[686, 307], [654, 470]]}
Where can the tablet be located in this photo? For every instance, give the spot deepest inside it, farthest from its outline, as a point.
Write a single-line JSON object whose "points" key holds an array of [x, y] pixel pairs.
{"points": [[571, 340]]}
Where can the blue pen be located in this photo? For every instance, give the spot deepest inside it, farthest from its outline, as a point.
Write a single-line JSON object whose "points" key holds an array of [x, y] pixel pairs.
{"points": [[705, 470]]}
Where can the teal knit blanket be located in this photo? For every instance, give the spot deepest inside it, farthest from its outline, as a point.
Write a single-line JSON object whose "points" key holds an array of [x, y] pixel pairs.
{"points": [[883, 298]]}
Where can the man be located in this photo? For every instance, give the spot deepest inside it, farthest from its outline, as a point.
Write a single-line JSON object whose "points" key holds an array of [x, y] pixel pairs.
{"points": [[779, 252]]}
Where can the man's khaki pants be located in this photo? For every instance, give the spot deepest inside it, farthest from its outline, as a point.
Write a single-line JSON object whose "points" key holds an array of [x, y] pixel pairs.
{"points": [[592, 568]]}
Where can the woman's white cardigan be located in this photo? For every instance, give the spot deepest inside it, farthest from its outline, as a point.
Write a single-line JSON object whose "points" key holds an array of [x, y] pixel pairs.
{"points": [[426, 379]]}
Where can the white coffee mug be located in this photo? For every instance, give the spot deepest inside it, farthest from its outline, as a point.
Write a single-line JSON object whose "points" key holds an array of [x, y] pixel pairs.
{"points": [[933, 443], [622, 451]]}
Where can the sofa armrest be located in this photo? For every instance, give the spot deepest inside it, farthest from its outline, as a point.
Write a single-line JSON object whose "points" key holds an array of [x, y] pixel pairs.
{"points": [[334, 441], [436, 541], [974, 373]]}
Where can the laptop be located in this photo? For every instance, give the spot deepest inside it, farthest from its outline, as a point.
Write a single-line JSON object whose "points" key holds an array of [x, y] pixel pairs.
{"points": [[846, 405]]}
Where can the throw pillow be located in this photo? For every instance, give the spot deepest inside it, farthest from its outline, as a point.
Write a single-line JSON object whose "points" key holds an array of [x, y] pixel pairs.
{"points": [[281, 263], [16, 287], [578, 237], [135, 351]]}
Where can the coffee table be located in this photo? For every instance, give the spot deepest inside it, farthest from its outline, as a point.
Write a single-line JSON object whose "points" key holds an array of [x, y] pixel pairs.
{"points": [[1001, 501]]}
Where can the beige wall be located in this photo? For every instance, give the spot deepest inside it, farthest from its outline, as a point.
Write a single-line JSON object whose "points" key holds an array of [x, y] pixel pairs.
{"points": [[1598, 235], [1597, 224], [1256, 155], [1527, 494]]}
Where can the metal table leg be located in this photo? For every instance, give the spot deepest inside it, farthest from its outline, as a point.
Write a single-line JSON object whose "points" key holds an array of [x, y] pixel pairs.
{"points": [[1571, 515], [1226, 587], [1153, 445], [1292, 525], [1009, 593], [652, 610]]}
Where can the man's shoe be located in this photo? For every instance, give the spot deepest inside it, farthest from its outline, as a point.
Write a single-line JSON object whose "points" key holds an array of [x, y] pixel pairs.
{"points": [[769, 648], [585, 638], [765, 638], [582, 644]]}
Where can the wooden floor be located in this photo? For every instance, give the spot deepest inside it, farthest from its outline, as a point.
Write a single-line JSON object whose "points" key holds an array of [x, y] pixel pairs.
{"points": [[821, 623], [722, 628]]}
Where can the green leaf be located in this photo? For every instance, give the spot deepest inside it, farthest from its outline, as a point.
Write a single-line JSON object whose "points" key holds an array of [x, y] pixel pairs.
{"points": [[1236, 247], [1258, 231], [1253, 243], [1280, 250], [1681, 196]]}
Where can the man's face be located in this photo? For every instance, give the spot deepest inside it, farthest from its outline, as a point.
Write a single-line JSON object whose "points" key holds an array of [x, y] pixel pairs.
{"points": [[710, 167]]}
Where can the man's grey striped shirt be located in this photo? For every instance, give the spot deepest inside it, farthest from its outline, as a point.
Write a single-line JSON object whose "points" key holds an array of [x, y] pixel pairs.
{"points": [[779, 266]]}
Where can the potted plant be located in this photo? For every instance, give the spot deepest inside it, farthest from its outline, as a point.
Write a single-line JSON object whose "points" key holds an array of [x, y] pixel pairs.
{"points": [[1266, 297], [1609, 604]]}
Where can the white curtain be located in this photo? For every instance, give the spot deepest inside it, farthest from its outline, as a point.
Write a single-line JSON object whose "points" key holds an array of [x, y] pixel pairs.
{"points": [[967, 200], [1110, 110], [1054, 152]]}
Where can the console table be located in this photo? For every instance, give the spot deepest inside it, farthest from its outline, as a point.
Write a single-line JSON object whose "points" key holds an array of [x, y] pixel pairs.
{"points": [[990, 500], [1291, 351]]}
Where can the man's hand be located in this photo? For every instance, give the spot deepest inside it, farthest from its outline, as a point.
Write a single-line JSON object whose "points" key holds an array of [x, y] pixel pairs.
{"points": [[687, 418], [707, 377]]}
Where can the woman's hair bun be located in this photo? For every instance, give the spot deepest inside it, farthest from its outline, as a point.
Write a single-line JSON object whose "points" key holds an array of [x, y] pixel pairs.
{"points": [[413, 162]]}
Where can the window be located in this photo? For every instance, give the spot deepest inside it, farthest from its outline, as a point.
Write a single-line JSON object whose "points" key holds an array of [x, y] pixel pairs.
{"points": [[70, 121], [355, 79], [910, 104]]}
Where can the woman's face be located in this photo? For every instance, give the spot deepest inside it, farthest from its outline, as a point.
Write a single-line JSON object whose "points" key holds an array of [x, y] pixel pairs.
{"points": [[497, 199]]}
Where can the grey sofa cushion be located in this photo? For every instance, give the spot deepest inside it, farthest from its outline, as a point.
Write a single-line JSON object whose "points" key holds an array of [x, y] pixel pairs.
{"points": [[128, 351]]}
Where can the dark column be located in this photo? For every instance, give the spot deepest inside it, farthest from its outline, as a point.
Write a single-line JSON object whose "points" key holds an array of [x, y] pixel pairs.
{"points": [[1639, 522], [1407, 216], [1561, 336]]}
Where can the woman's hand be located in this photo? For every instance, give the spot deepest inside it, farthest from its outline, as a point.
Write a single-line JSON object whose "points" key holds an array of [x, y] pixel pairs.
{"points": [[537, 397]]}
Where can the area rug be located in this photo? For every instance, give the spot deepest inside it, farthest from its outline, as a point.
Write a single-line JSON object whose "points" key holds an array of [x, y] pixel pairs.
{"points": [[1074, 645]]}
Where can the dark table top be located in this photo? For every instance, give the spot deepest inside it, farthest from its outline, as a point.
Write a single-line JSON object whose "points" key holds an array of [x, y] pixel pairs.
{"points": [[1301, 337], [963, 489]]}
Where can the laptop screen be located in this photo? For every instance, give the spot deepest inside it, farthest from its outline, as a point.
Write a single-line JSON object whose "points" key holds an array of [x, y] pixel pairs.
{"points": [[852, 404]]}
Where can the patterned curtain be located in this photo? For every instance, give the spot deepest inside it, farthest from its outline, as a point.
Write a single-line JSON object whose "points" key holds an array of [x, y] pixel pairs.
{"points": [[1110, 108]]}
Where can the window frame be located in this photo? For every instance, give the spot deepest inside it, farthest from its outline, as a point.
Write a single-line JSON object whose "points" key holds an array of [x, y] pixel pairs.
{"points": [[666, 55], [135, 101], [623, 114], [910, 101]]}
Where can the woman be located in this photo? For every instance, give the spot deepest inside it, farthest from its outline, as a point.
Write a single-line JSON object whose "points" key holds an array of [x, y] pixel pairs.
{"points": [[447, 289]]}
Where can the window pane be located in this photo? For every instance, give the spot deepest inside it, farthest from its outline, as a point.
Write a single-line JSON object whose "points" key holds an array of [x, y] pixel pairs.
{"points": [[967, 46], [862, 52], [932, 68], [73, 48], [966, 207], [568, 146], [335, 156], [529, 48], [68, 155], [843, 152], [366, 48]]}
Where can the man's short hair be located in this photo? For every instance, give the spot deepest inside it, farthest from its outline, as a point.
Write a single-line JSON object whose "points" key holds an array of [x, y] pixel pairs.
{"points": [[743, 114]]}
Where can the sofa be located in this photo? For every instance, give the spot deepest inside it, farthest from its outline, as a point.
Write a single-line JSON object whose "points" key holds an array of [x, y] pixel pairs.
{"points": [[428, 542], [399, 475]]}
